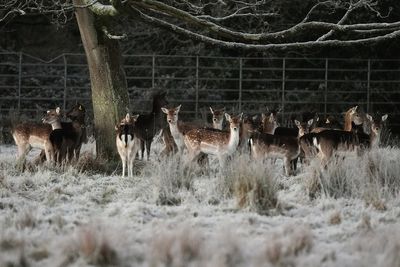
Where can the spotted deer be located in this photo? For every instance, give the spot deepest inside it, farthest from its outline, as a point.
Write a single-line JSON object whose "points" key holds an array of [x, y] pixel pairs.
{"points": [[213, 141], [127, 142], [178, 128], [217, 118], [329, 141], [30, 135], [278, 146]]}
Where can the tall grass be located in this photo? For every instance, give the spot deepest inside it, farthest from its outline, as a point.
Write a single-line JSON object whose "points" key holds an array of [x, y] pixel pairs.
{"points": [[253, 184], [374, 176]]}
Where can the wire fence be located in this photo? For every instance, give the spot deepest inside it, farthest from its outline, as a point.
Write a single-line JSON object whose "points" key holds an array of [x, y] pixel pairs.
{"points": [[29, 85]]}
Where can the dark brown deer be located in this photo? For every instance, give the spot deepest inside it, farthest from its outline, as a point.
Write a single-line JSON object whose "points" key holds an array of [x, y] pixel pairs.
{"points": [[148, 125]]}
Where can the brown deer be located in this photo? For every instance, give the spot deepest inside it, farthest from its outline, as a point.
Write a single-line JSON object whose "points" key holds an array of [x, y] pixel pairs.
{"points": [[278, 146], [217, 118], [329, 141], [213, 141], [28, 134], [269, 122], [148, 125], [127, 143]]}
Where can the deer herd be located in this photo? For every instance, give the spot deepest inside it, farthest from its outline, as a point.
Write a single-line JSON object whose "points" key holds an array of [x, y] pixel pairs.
{"points": [[260, 136]]}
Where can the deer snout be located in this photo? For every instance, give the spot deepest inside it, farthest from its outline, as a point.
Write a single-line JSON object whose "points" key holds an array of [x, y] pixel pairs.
{"points": [[235, 128], [169, 120], [214, 119]]}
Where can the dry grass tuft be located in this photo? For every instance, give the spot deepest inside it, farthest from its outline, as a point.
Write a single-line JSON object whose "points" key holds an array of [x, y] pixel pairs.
{"points": [[95, 248], [283, 248], [175, 248], [252, 183], [335, 218]]}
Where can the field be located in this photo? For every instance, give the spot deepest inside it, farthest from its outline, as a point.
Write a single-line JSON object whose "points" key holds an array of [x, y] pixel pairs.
{"points": [[167, 215]]}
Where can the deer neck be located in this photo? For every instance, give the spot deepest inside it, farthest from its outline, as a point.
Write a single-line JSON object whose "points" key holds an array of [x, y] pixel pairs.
{"points": [[347, 122], [233, 142], [374, 139], [56, 125], [269, 128], [217, 125]]}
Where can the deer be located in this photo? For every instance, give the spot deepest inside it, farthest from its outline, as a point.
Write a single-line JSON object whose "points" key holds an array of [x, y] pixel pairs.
{"points": [[30, 135], [127, 142], [269, 123], [178, 128], [217, 118], [148, 125], [213, 141], [265, 145], [56, 147], [329, 141]]}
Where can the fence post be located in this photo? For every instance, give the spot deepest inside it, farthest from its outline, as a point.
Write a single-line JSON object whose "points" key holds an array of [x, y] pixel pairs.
{"points": [[368, 84], [240, 83], [326, 87], [197, 87], [153, 70], [65, 82], [19, 82], [283, 88]]}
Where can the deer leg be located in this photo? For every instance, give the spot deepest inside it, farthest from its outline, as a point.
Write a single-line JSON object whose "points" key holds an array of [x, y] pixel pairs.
{"points": [[148, 145], [23, 150], [142, 146], [287, 164]]}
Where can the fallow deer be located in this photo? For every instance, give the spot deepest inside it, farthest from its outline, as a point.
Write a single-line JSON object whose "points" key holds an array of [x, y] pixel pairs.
{"points": [[56, 147], [269, 122], [30, 135], [127, 143], [330, 141], [215, 142], [148, 125], [178, 128], [217, 118], [277, 146]]}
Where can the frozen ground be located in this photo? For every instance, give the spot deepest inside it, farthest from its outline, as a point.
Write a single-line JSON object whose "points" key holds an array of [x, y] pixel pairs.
{"points": [[50, 217]]}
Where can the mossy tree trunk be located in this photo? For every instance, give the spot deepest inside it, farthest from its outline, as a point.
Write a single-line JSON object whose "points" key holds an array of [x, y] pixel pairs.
{"points": [[108, 82]]}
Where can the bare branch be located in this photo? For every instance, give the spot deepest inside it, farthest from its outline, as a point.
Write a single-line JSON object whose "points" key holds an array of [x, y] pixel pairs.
{"points": [[101, 9], [262, 47], [111, 36]]}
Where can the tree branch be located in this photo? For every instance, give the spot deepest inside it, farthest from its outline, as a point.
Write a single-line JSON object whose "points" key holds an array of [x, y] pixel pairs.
{"points": [[101, 9], [261, 47]]}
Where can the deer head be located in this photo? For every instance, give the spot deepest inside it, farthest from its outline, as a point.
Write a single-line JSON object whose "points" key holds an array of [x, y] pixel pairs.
{"points": [[172, 114], [304, 128]]}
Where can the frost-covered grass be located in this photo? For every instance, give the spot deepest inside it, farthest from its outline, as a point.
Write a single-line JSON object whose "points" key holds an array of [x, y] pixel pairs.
{"points": [[174, 214]]}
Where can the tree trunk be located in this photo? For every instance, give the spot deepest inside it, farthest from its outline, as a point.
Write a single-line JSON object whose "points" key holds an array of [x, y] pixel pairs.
{"points": [[107, 76]]}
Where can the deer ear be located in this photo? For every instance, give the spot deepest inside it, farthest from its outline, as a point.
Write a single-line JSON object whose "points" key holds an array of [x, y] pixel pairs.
{"points": [[135, 117], [298, 124], [327, 121], [164, 110], [369, 117], [127, 117], [310, 122], [178, 108], [271, 117], [212, 111], [58, 110], [263, 116], [80, 107], [116, 127], [227, 117], [48, 111], [384, 117], [241, 116]]}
